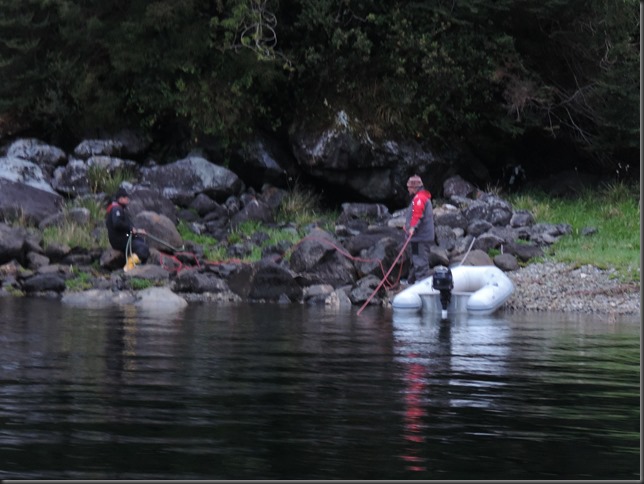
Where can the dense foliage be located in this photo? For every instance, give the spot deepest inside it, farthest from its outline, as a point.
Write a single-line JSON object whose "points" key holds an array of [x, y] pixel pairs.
{"points": [[478, 72]]}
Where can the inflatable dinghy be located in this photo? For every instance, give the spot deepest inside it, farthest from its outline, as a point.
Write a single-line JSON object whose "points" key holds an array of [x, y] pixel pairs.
{"points": [[472, 289]]}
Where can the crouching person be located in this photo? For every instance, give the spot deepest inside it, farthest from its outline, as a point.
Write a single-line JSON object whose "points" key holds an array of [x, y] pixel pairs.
{"points": [[120, 229]]}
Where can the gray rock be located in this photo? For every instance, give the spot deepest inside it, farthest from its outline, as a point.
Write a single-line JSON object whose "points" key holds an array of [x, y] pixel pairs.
{"points": [[272, 281], [43, 283], [12, 242], [457, 186], [364, 290], [506, 262], [159, 300], [38, 152], [184, 179], [197, 282], [255, 210], [25, 173]]}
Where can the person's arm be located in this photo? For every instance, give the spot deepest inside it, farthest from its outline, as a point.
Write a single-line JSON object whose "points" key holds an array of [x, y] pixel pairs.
{"points": [[418, 210]]}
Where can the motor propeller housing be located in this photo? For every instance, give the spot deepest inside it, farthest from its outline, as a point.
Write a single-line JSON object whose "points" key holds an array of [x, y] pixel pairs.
{"points": [[443, 282]]}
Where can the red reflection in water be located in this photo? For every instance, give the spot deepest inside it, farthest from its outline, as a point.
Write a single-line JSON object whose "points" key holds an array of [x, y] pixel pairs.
{"points": [[414, 412]]}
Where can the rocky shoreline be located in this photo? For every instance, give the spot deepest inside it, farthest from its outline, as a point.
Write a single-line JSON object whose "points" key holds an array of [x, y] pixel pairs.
{"points": [[336, 263], [539, 287], [568, 288]]}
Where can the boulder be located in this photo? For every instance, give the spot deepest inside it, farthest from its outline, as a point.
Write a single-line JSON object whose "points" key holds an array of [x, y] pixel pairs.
{"points": [[144, 199], [263, 160], [342, 153], [124, 143], [196, 281], [19, 201], [271, 282], [37, 283], [254, 210], [47, 157], [184, 179], [24, 172], [159, 300], [321, 256], [12, 243], [160, 228], [457, 186], [72, 179]]}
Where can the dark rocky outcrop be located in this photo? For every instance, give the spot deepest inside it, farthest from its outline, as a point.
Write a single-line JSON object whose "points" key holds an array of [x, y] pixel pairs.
{"points": [[334, 266]]}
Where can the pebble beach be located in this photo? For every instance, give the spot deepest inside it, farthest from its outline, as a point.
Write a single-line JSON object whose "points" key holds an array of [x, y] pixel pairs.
{"points": [[569, 288]]}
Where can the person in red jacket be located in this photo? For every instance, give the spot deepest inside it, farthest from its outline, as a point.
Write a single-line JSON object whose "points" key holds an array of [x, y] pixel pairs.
{"points": [[420, 224], [120, 229]]}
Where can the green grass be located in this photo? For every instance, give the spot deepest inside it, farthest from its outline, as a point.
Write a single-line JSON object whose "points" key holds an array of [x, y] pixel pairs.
{"points": [[102, 179], [137, 283], [81, 282], [275, 235], [613, 210], [301, 207], [215, 253], [74, 234]]}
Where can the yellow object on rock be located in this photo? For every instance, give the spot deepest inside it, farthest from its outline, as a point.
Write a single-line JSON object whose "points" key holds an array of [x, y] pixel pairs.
{"points": [[131, 262]]}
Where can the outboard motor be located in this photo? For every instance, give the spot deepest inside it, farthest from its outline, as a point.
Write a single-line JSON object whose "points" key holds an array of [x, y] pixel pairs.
{"points": [[443, 282]]}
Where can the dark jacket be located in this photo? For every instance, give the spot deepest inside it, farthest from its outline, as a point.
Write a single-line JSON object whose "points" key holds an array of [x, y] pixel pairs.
{"points": [[119, 225], [420, 215]]}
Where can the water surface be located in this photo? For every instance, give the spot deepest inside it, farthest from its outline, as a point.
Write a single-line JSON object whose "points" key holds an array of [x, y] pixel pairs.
{"points": [[298, 392]]}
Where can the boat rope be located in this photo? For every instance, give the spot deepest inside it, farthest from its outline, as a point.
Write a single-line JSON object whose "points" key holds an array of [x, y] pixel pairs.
{"points": [[174, 263], [128, 247], [387, 274], [161, 241], [346, 254], [468, 251]]}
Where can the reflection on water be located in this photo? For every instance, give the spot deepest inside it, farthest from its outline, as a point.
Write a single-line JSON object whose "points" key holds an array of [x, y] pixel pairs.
{"points": [[296, 392]]}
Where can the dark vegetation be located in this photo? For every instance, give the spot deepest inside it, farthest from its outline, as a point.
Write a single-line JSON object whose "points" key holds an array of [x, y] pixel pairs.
{"points": [[544, 84]]}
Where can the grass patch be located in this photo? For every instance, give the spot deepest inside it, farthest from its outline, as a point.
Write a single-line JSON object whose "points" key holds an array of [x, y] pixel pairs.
{"points": [[138, 283], [14, 291], [614, 211], [216, 253], [76, 234], [276, 235], [244, 230], [101, 179], [301, 207], [81, 282], [187, 234], [212, 250]]}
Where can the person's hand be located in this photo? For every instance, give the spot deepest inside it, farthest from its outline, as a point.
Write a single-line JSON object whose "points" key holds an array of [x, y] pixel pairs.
{"points": [[412, 230]]}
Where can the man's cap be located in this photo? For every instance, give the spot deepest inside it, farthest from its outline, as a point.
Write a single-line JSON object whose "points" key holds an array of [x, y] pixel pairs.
{"points": [[414, 182], [121, 192]]}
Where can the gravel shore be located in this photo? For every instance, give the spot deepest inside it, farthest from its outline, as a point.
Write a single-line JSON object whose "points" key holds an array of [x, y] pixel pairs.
{"points": [[564, 287]]}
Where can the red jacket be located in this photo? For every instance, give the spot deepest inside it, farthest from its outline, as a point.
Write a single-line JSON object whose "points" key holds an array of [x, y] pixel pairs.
{"points": [[421, 216]]}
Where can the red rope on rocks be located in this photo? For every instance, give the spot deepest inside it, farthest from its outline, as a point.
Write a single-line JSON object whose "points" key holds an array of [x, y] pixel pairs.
{"points": [[178, 266], [171, 267], [384, 278], [359, 259]]}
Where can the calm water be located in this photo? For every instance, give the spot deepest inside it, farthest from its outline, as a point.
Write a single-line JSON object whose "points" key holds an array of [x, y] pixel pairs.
{"points": [[293, 392]]}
